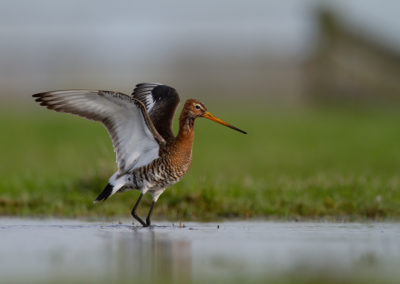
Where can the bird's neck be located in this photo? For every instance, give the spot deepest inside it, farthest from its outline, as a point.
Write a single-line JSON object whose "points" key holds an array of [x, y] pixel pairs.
{"points": [[183, 143], [186, 126], [184, 139]]}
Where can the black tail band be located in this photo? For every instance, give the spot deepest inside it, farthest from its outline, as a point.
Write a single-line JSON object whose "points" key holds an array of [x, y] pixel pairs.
{"points": [[105, 193]]}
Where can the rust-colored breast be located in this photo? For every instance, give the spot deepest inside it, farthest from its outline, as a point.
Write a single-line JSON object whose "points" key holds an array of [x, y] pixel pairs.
{"points": [[181, 151]]}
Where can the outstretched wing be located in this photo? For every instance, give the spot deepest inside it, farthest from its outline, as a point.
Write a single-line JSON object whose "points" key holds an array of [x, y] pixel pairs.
{"points": [[161, 102], [135, 140]]}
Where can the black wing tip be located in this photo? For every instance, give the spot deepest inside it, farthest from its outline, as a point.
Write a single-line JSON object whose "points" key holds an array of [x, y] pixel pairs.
{"points": [[39, 98], [157, 91], [149, 84], [146, 85], [165, 92], [152, 85], [39, 95], [164, 87]]}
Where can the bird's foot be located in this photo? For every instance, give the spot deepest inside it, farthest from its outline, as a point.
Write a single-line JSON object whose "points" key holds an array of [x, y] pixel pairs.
{"points": [[138, 219]]}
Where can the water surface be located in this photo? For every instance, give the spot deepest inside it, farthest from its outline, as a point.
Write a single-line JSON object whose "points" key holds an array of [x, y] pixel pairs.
{"points": [[50, 250]]}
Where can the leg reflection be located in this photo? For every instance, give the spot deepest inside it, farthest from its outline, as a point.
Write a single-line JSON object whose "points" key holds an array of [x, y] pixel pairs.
{"points": [[150, 255]]}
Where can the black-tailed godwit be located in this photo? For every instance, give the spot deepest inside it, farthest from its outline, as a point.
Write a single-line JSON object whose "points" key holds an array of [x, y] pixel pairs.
{"points": [[149, 157]]}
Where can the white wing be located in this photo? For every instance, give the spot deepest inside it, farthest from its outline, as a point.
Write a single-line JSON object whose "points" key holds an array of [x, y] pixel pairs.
{"points": [[135, 140]]}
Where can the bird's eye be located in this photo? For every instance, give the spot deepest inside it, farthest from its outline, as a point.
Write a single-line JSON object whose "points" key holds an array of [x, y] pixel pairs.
{"points": [[197, 107]]}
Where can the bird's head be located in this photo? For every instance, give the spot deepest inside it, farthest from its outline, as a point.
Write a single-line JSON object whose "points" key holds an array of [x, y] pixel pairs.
{"points": [[195, 109]]}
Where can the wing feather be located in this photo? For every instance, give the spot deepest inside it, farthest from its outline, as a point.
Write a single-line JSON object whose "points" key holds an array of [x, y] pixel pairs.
{"points": [[161, 102], [135, 139]]}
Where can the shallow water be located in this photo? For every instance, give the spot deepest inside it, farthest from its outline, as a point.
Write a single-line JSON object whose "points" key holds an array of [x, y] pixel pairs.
{"points": [[50, 250]]}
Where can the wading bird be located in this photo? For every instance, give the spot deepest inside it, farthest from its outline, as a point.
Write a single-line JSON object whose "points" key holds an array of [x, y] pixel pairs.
{"points": [[149, 157]]}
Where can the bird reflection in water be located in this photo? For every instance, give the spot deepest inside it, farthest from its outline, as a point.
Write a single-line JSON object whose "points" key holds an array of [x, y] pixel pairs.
{"points": [[144, 254]]}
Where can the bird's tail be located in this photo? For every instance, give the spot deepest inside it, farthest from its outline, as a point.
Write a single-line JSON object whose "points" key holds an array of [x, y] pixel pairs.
{"points": [[115, 183], [108, 190]]}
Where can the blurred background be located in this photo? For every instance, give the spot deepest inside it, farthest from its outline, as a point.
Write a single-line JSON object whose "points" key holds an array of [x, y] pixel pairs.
{"points": [[315, 83], [290, 51]]}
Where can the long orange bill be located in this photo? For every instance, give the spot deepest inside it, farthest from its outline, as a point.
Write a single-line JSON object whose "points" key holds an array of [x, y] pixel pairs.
{"points": [[213, 118]]}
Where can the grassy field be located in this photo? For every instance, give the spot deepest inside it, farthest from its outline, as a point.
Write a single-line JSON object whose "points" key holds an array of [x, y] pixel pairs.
{"points": [[293, 164]]}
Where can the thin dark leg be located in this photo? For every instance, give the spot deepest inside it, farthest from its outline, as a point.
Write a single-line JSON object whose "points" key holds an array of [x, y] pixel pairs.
{"points": [[134, 211], [148, 222]]}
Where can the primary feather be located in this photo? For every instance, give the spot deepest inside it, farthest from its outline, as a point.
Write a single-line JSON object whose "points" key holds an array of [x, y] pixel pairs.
{"points": [[161, 102], [134, 138]]}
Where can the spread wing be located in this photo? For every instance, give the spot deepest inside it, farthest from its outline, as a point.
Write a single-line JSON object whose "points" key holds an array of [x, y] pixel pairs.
{"points": [[135, 140], [161, 102]]}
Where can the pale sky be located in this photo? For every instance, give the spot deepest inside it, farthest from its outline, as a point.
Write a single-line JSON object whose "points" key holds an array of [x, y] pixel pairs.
{"points": [[44, 40]]}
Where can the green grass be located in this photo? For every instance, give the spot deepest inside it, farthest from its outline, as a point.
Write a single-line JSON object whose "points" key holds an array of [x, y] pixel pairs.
{"points": [[293, 164]]}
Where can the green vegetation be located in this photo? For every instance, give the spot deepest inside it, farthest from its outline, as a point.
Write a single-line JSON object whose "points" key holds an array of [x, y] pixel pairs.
{"points": [[293, 164]]}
